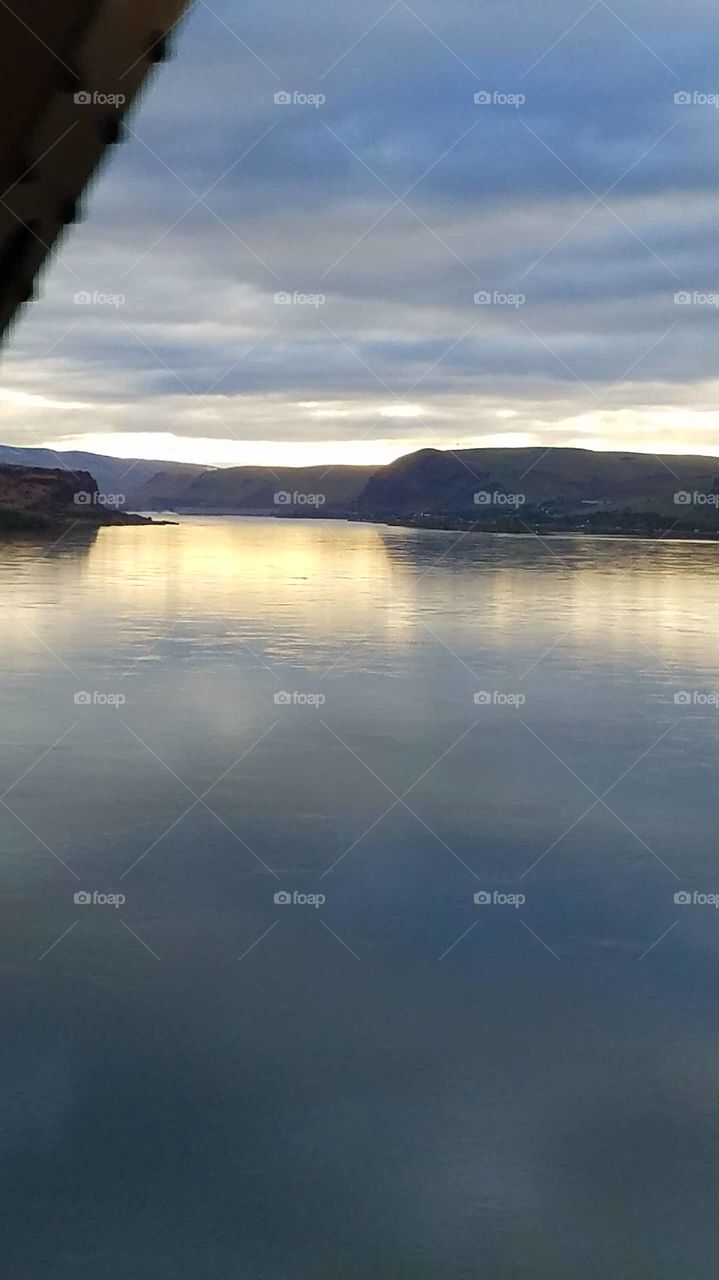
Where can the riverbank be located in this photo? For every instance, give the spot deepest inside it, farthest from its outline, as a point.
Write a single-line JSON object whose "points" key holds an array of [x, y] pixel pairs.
{"points": [[654, 527]]}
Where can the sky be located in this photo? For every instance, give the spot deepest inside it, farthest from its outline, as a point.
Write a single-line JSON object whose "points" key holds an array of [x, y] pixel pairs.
{"points": [[337, 233]]}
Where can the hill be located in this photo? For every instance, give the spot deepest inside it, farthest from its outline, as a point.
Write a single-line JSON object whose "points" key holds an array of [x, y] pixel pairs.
{"points": [[264, 490], [124, 476], [501, 489], [544, 485], [42, 498]]}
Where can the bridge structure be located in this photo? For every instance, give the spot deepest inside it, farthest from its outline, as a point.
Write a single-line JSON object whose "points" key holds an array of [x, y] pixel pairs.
{"points": [[69, 71]]}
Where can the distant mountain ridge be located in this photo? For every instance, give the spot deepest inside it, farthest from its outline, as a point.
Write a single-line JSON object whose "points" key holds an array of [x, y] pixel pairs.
{"points": [[481, 482], [485, 486], [292, 490], [125, 476]]}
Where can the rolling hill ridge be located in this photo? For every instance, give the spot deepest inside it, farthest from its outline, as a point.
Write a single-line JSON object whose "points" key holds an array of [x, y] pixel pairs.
{"points": [[492, 488]]}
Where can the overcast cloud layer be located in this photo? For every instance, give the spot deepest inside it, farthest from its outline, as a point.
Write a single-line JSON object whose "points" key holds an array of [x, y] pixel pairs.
{"points": [[579, 213]]}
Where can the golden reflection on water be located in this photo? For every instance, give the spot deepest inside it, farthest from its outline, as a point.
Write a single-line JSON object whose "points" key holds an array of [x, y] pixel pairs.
{"points": [[300, 582]]}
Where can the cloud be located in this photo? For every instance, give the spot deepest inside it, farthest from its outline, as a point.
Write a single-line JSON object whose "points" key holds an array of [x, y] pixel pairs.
{"points": [[396, 201]]}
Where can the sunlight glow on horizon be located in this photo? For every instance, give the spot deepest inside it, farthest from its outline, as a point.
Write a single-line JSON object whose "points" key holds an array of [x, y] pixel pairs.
{"points": [[165, 447], [662, 432]]}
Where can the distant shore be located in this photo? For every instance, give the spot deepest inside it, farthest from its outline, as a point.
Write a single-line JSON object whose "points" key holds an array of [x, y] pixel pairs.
{"points": [[657, 532], [653, 527], [14, 521]]}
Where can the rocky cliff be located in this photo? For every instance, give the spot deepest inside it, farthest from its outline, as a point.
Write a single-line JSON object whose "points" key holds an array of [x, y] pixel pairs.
{"points": [[38, 498]]}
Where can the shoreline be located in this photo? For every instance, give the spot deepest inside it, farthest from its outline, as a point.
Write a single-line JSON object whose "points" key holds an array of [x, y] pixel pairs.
{"points": [[13, 521], [657, 533]]}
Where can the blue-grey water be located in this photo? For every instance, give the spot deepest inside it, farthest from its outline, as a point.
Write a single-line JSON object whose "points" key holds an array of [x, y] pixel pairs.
{"points": [[395, 1083]]}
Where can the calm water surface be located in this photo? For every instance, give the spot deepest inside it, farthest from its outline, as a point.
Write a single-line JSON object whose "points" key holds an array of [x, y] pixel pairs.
{"points": [[399, 1082]]}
